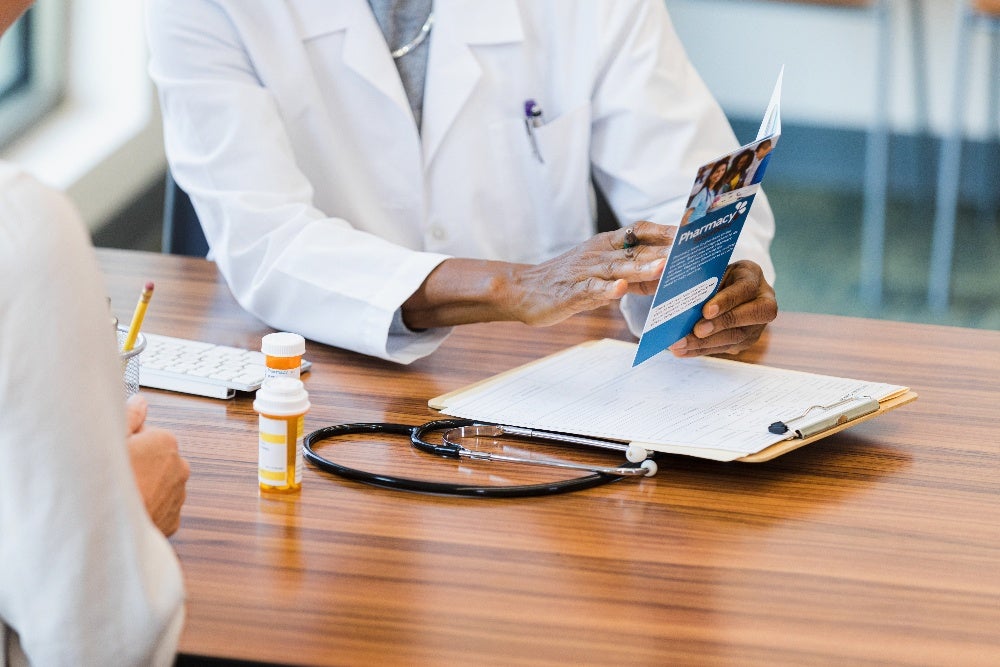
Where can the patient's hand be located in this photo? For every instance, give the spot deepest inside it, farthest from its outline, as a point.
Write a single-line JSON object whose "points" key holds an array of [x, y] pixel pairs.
{"points": [[160, 472]]}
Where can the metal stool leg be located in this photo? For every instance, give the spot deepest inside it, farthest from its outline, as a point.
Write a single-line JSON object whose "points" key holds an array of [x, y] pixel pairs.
{"points": [[876, 163], [924, 157], [988, 203], [949, 172]]}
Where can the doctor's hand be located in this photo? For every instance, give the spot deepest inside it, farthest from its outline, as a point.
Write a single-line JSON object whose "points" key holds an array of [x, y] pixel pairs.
{"points": [[735, 317], [160, 472], [599, 270]]}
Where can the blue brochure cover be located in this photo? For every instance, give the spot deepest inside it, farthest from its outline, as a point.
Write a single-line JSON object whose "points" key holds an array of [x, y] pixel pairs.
{"points": [[717, 207]]}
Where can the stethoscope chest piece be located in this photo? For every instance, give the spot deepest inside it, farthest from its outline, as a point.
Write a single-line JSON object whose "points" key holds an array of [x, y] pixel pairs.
{"points": [[452, 441]]}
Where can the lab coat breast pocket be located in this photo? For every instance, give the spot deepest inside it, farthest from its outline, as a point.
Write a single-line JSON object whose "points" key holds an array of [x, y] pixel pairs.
{"points": [[546, 174]]}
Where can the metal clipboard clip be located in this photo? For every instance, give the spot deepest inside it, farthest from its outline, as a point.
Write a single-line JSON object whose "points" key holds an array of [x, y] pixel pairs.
{"points": [[808, 424]]}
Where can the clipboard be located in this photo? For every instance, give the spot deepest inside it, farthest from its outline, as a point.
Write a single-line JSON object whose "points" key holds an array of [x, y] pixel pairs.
{"points": [[804, 426], [843, 421]]}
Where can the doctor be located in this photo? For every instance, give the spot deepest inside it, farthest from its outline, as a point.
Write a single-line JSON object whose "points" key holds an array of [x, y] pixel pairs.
{"points": [[365, 175]]}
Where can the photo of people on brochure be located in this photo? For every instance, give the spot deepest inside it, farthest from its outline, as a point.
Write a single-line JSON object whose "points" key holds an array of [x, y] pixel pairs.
{"points": [[736, 176]]}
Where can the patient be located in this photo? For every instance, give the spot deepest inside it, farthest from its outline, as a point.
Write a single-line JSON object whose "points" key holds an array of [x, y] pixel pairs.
{"points": [[87, 492]]}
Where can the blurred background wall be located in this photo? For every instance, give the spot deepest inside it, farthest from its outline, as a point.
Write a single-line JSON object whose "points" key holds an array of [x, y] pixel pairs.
{"points": [[830, 101], [102, 143], [829, 53]]}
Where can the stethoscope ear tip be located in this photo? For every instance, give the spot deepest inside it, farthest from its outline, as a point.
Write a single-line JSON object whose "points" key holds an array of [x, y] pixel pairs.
{"points": [[649, 465]]}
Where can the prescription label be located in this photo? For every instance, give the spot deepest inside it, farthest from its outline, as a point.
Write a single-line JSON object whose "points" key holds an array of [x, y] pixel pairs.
{"points": [[280, 451]]}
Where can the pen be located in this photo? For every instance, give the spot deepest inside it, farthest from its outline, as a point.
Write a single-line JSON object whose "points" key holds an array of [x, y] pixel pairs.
{"points": [[140, 312], [533, 118], [533, 113]]}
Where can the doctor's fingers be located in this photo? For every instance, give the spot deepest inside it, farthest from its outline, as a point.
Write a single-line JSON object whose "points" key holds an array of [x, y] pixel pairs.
{"points": [[727, 341], [731, 332], [638, 234], [560, 301], [590, 293], [743, 283], [634, 265], [757, 312], [645, 265], [644, 288], [640, 273]]}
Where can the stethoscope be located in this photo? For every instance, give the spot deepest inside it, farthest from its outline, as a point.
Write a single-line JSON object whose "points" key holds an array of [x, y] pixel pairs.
{"points": [[454, 431]]}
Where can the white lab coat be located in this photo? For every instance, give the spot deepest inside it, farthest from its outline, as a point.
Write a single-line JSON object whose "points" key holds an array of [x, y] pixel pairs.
{"points": [[325, 208]]}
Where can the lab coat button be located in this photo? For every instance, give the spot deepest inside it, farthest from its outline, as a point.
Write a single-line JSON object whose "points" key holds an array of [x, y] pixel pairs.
{"points": [[438, 232]]}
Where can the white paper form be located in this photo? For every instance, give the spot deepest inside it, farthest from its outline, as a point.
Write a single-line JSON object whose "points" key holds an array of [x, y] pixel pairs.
{"points": [[667, 404]]}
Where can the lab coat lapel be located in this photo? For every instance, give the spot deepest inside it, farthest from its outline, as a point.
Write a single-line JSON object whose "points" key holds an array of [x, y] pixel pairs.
{"points": [[365, 51], [452, 69]]}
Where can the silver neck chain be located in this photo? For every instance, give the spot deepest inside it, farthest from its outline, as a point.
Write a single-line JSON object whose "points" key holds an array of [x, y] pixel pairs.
{"points": [[425, 30]]}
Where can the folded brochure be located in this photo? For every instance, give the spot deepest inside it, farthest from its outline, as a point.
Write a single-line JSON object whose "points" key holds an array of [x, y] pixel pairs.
{"points": [[720, 200]]}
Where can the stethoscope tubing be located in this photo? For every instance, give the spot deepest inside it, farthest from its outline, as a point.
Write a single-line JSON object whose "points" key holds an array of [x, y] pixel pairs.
{"points": [[416, 437]]}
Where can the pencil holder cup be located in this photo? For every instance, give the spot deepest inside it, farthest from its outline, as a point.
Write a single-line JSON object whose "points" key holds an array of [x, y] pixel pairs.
{"points": [[130, 362]]}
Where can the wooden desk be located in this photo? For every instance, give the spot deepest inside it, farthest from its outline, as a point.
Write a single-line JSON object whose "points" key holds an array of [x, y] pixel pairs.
{"points": [[878, 545]]}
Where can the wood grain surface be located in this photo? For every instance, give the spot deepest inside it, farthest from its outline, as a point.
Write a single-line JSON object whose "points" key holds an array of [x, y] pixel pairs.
{"points": [[876, 546]]}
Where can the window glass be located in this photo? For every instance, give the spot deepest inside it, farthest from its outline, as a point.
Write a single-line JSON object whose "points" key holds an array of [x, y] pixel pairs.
{"points": [[32, 63], [14, 58]]}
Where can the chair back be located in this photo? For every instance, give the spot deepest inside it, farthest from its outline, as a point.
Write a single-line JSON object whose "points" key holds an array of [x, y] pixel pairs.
{"points": [[182, 233]]}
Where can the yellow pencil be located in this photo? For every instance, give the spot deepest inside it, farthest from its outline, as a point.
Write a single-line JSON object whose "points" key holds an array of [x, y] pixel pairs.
{"points": [[140, 312]]}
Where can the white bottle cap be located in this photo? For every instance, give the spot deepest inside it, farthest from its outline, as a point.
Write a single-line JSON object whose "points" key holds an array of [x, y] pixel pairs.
{"points": [[282, 397], [283, 344]]}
